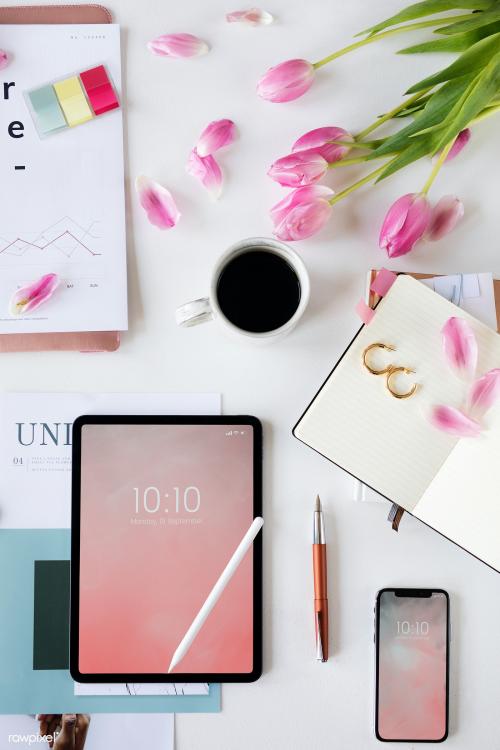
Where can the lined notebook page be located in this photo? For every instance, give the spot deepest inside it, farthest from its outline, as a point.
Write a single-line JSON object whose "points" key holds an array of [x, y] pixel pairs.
{"points": [[385, 442], [463, 500]]}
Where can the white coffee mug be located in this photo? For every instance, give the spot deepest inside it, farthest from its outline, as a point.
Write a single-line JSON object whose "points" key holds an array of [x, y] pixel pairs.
{"points": [[208, 308]]}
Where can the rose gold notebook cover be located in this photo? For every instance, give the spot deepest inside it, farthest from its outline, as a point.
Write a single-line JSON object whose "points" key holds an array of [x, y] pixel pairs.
{"points": [[100, 341]]}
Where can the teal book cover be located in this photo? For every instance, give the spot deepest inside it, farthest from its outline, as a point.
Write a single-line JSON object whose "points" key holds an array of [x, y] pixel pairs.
{"points": [[34, 636]]}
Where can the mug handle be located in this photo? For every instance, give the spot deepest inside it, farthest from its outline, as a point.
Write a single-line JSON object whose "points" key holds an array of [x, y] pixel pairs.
{"points": [[193, 313]]}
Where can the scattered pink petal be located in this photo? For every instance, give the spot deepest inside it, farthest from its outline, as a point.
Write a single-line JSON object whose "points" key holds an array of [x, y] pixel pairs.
{"points": [[178, 45], [444, 217], [158, 203], [216, 135], [483, 393], [29, 297], [286, 81], [302, 213], [461, 141], [207, 171], [454, 422], [298, 169], [460, 347], [4, 59], [364, 312], [251, 17], [405, 224], [320, 139]]}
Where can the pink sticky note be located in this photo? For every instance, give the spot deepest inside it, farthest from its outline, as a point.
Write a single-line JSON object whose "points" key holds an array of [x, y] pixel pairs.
{"points": [[365, 313], [383, 282]]}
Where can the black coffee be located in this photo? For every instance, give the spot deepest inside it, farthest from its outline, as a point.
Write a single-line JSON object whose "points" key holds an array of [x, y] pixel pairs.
{"points": [[258, 291]]}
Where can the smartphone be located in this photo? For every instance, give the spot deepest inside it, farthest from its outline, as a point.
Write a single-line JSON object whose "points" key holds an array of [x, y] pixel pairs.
{"points": [[412, 633]]}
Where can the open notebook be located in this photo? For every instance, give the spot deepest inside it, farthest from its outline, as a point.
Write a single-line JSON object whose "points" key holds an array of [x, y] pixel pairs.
{"points": [[451, 484]]}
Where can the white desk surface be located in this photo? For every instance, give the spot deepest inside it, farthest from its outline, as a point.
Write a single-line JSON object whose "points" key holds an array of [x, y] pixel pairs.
{"points": [[298, 703]]}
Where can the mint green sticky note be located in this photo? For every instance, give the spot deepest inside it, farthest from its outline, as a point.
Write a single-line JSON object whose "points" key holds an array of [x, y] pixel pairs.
{"points": [[49, 116]]}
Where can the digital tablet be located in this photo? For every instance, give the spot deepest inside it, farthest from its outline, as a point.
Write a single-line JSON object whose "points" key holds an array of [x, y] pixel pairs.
{"points": [[159, 506]]}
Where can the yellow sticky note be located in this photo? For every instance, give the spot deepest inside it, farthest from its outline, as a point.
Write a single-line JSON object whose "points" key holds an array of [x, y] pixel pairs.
{"points": [[73, 102]]}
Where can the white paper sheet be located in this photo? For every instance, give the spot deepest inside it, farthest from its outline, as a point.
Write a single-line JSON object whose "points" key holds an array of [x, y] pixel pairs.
{"points": [[142, 688], [35, 446], [65, 212], [117, 731], [473, 292]]}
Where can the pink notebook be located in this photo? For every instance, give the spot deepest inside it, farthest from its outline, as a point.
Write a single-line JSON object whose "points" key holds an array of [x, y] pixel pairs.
{"points": [[95, 341]]}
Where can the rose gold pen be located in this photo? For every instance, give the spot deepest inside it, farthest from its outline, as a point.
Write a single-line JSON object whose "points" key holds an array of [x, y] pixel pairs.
{"points": [[320, 584]]}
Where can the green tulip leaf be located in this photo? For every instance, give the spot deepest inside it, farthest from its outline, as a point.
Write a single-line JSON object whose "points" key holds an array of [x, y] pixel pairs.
{"points": [[426, 8], [470, 61], [435, 111], [475, 22], [455, 43]]}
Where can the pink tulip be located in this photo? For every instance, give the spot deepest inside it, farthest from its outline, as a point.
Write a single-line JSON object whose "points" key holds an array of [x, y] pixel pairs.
{"points": [[302, 213], [460, 347], [157, 202], [217, 134], [483, 393], [178, 45], [29, 297], [4, 59], [207, 171], [461, 141], [298, 169], [444, 217], [405, 224], [252, 17], [454, 422], [286, 81], [319, 140]]}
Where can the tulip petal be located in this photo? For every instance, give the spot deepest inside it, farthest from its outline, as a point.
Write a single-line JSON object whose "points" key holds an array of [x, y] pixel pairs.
{"points": [[460, 347], [483, 393], [178, 45], [251, 17], [286, 81], [4, 59], [320, 139], [216, 135], [405, 224], [33, 295], [302, 213], [207, 171], [445, 215], [461, 141], [296, 197], [158, 203], [454, 422], [298, 169]]}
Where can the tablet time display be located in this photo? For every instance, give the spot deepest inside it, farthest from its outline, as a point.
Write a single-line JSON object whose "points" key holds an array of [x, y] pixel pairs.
{"points": [[163, 507]]}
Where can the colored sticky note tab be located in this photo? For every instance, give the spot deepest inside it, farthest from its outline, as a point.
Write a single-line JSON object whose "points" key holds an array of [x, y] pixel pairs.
{"points": [[72, 100], [383, 282], [48, 113], [99, 90], [365, 313]]}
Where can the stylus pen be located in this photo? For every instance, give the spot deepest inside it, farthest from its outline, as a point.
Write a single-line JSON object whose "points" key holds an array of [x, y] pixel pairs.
{"points": [[216, 592], [320, 584]]}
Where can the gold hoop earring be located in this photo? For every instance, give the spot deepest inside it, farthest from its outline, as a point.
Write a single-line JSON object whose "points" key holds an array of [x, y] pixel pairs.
{"points": [[393, 371], [368, 349]]}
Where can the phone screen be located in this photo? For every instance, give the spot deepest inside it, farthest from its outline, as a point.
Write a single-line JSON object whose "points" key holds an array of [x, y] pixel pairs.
{"points": [[412, 665]]}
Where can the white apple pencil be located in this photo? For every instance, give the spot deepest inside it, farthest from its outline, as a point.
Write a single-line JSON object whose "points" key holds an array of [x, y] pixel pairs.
{"points": [[217, 590]]}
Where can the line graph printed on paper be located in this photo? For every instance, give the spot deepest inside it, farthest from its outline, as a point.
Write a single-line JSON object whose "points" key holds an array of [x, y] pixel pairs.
{"points": [[64, 240]]}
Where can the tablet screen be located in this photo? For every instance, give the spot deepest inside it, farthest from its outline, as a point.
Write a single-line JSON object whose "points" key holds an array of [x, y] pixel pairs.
{"points": [[162, 509]]}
